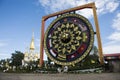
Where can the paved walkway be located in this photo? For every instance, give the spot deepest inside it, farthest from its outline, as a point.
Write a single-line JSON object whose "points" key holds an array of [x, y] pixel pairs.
{"points": [[91, 76]]}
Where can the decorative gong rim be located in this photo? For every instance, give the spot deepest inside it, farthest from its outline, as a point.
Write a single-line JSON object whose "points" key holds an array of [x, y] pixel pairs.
{"points": [[68, 39]]}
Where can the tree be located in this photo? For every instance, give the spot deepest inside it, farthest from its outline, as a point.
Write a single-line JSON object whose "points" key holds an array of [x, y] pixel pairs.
{"points": [[95, 50], [17, 58], [3, 64], [92, 60]]}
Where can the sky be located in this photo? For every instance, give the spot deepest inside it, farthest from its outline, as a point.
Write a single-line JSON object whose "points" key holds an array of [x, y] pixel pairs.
{"points": [[19, 18]]}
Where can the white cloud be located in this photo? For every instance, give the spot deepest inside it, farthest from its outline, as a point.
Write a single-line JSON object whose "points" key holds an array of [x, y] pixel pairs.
{"points": [[4, 55], [111, 6], [115, 36], [86, 12], [116, 22], [113, 46], [104, 6], [111, 49], [45, 2], [2, 44]]}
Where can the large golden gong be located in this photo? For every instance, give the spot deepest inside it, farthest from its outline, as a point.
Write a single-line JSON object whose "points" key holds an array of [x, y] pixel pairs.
{"points": [[69, 39]]}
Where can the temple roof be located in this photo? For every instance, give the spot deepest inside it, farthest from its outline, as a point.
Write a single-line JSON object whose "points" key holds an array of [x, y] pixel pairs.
{"points": [[112, 54], [32, 46]]}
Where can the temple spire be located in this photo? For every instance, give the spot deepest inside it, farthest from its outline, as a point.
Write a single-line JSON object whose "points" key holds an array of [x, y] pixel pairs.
{"points": [[32, 46]]}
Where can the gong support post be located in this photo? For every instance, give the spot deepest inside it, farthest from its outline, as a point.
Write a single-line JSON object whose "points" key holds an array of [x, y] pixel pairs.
{"points": [[42, 42], [100, 51]]}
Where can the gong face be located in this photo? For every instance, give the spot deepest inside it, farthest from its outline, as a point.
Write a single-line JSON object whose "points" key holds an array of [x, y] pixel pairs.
{"points": [[68, 39]]}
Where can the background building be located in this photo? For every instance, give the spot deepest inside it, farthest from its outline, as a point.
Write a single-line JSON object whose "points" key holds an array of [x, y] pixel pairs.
{"points": [[112, 62], [30, 55]]}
